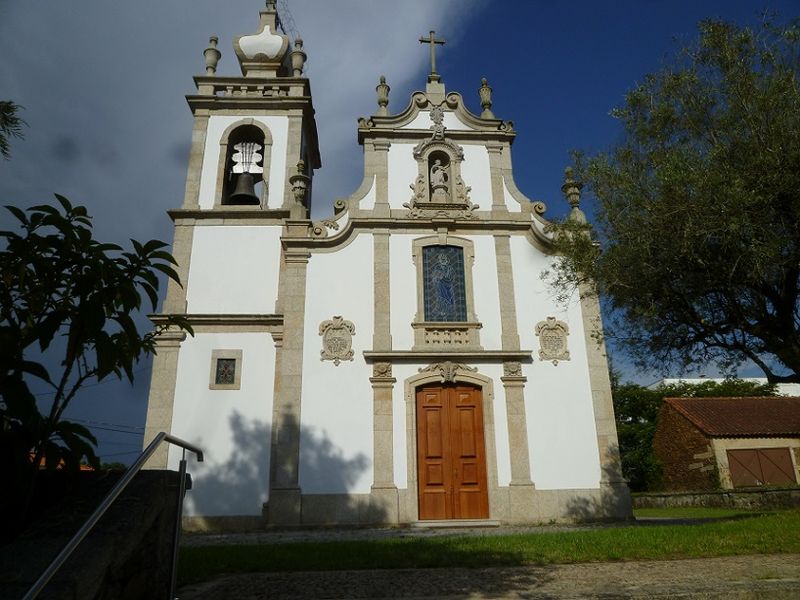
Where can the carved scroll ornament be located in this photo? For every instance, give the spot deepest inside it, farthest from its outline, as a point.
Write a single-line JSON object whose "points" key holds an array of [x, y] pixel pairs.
{"points": [[447, 370]]}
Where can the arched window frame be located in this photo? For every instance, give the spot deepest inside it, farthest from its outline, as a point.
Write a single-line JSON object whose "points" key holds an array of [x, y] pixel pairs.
{"points": [[223, 156], [459, 335]]}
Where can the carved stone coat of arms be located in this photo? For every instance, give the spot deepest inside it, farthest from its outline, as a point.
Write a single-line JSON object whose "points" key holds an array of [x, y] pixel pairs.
{"points": [[337, 339]]}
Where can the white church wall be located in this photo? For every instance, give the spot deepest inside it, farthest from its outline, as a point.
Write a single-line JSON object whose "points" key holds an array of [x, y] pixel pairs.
{"points": [[403, 172], [232, 427], [234, 270], [476, 175], [337, 407], [217, 124], [562, 438]]}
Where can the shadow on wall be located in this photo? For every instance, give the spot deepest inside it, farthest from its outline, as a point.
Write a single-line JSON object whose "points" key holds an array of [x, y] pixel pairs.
{"points": [[613, 503], [324, 468], [239, 485]]}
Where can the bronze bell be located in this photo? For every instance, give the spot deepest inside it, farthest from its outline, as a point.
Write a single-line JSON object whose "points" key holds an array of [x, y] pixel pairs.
{"points": [[245, 191]]}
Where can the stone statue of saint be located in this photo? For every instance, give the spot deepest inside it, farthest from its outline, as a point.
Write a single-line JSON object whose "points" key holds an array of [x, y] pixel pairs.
{"points": [[439, 175]]}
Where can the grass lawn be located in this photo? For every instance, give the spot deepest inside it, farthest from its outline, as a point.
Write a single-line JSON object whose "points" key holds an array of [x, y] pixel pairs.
{"points": [[760, 534]]}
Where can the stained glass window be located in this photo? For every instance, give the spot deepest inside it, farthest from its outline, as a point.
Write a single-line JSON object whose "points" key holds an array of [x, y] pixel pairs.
{"points": [[444, 289], [226, 371]]}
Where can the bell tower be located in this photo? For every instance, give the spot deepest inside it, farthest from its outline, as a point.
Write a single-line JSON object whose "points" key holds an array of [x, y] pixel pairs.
{"points": [[254, 151]]}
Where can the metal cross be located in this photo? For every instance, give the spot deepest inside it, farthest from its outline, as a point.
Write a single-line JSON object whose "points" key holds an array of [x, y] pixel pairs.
{"points": [[432, 40]]}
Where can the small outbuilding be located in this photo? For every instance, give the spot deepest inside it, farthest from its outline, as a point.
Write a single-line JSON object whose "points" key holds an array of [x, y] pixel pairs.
{"points": [[707, 443]]}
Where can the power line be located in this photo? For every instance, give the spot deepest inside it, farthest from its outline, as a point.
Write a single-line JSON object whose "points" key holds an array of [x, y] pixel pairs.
{"points": [[104, 424], [88, 385], [117, 430]]}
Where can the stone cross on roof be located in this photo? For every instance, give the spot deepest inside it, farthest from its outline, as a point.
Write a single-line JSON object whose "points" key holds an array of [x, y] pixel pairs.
{"points": [[432, 40]]}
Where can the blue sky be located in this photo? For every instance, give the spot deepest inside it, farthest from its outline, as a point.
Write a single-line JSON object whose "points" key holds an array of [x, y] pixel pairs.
{"points": [[102, 84]]}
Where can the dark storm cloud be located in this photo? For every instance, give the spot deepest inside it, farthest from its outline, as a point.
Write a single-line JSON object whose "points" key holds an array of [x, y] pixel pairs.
{"points": [[65, 149]]}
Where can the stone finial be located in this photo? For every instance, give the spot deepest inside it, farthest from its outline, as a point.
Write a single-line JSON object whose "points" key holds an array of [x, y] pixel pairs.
{"points": [[572, 192], [272, 5], [299, 182], [298, 57], [262, 54], [212, 55], [383, 97], [485, 93]]}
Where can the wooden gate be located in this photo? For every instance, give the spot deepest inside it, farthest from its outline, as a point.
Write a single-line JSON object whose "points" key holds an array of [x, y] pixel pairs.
{"points": [[761, 466], [451, 453]]}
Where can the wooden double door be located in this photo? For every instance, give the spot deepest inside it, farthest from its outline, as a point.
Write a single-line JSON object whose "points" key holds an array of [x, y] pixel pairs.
{"points": [[451, 453], [761, 466]]}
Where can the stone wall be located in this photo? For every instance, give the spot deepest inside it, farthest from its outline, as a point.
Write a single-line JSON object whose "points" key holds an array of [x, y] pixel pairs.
{"points": [[126, 556], [749, 499], [684, 452]]}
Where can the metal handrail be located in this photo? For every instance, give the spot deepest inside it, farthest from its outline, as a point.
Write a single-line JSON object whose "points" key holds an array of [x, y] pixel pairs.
{"points": [[65, 553]]}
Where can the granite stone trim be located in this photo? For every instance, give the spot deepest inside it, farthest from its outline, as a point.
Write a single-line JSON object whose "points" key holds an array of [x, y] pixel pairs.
{"points": [[514, 387], [175, 301], [453, 355], [382, 427], [294, 141], [213, 323], [381, 338], [162, 393], [505, 288], [600, 384], [284, 492], [191, 197]]}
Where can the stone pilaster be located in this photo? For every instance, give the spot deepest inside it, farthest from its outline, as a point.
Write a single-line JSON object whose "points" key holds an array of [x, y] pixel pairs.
{"points": [[293, 141], [614, 488], [191, 197], [381, 338], [514, 385], [380, 166], [384, 491], [162, 393], [175, 301], [499, 207], [284, 488], [505, 286], [521, 491]]}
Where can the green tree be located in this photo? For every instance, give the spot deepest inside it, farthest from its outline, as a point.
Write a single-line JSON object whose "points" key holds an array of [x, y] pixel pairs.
{"points": [[65, 300], [10, 126], [636, 410], [698, 208]]}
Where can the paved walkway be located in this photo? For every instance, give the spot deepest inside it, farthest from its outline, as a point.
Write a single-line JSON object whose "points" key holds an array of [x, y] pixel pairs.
{"points": [[730, 578], [773, 577]]}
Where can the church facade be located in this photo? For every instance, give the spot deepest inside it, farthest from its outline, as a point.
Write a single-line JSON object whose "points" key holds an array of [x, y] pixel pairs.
{"points": [[399, 362]]}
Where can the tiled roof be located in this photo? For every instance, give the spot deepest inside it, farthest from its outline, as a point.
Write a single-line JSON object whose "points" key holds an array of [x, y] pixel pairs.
{"points": [[742, 417]]}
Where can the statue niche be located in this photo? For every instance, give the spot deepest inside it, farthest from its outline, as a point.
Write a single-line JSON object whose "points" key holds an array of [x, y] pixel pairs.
{"points": [[439, 177]]}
